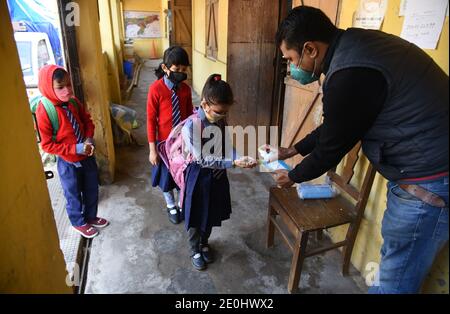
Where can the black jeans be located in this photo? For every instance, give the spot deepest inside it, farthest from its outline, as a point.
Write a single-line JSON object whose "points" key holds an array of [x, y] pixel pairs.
{"points": [[197, 238]]}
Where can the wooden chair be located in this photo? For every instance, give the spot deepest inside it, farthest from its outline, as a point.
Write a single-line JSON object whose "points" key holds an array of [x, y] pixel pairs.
{"points": [[302, 217]]}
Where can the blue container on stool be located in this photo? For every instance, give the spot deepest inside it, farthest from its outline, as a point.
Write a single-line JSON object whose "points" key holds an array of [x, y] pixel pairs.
{"points": [[128, 69], [315, 191]]}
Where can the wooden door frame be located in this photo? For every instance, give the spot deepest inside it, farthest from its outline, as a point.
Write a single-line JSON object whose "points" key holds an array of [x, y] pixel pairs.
{"points": [[280, 68], [69, 40], [172, 8], [172, 36]]}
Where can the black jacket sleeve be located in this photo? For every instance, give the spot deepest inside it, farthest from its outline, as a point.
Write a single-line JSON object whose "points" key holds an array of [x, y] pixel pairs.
{"points": [[308, 143], [352, 101]]}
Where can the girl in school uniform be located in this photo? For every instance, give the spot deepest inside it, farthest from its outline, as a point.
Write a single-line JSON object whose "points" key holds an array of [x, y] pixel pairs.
{"points": [[169, 102], [207, 196]]}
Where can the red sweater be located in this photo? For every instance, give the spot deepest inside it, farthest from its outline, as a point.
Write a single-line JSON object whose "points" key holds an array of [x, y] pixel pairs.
{"points": [[65, 145], [159, 109]]}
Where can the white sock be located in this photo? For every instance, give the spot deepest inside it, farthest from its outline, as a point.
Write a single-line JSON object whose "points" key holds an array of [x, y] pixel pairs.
{"points": [[170, 199]]}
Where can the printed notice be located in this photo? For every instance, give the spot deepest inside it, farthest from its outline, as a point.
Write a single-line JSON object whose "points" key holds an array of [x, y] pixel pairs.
{"points": [[370, 14], [402, 9], [423, 22]]}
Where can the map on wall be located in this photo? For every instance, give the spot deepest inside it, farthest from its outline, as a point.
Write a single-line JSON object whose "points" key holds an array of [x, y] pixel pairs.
{"points": [[142, 24]]}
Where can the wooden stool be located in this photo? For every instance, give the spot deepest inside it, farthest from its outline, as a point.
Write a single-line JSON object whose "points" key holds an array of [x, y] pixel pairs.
{"points": [[301, 217]]}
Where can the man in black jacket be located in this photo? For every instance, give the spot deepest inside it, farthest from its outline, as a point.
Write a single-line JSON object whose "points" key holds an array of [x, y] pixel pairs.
{"points": [[387, 93]]}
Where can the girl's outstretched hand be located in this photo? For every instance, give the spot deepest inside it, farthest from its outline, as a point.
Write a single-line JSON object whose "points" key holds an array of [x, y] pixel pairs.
{"points": [[246, 162]]}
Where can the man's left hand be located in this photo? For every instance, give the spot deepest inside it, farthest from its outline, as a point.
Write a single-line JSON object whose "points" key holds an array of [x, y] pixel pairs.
{"points": [[282, 179]]}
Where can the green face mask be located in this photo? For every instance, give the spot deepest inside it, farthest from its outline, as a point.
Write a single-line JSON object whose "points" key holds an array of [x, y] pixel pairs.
{"points": [[302, 76]]}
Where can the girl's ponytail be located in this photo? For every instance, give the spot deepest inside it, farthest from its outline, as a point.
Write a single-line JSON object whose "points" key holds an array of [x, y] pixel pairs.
{"points": [[217, 91]]}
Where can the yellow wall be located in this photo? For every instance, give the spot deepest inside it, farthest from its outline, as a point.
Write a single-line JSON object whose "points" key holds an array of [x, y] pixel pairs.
{"points": [[94, 78], [108, 41], [165, 43], [30, 258], [145, 47], [117, 24], [367, 248], [202, 66]]}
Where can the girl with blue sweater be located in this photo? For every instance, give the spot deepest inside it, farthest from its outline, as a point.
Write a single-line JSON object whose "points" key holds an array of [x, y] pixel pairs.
{"points": [[207, 197]]}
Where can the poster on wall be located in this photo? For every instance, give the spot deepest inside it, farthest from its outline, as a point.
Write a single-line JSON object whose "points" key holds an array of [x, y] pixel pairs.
{"points": [[403, 5], [140, 24], [370, 14], [402, 8], [423, 22]]}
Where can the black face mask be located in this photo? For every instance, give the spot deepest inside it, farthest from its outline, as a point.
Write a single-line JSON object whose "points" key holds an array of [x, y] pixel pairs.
{"points": [[177, 77]]}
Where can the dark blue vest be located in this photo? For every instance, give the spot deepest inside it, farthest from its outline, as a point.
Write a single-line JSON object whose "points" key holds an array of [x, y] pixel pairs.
{"points": [[409, 138]]}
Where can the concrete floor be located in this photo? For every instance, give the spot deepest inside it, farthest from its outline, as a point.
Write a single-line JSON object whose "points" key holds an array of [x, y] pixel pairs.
{"points": [[142, 252]]}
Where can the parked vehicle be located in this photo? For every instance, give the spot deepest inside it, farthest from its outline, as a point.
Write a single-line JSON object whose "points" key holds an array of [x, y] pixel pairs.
{"points": [[34, 52]]}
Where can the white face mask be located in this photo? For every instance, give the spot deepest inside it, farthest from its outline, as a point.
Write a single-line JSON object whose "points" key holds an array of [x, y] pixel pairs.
{"points": [[212, 116]]}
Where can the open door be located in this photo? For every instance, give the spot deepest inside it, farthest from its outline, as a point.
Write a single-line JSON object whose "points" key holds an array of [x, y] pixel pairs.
{"points": [[250, 66], [251, 51], [38, 43], [302, 107], [182, 28]]}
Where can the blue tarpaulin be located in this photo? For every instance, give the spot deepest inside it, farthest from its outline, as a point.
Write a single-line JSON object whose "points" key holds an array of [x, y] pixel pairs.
{"points": [[35, 15]]}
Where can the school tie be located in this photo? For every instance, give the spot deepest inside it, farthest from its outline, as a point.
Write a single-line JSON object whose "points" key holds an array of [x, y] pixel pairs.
{"points": [[73, 121], [176, 114]]}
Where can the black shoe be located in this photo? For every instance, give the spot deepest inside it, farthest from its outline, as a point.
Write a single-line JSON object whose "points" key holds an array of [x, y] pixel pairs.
{"points": [[180, 214], [198, 262], [174, 218], [207, 255]]}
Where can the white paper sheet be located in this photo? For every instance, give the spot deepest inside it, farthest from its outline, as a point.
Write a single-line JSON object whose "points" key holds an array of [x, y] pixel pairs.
{"points": [[370, 14], [423, 22], [404, 3], [402, 9]]}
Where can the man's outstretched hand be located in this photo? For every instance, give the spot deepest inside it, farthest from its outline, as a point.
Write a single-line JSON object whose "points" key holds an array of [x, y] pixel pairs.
{"points": [[282, 179], [284, 153]]}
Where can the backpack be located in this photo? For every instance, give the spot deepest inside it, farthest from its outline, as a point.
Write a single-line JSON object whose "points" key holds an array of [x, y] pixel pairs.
{"points": [[176, 156], [51, 112]]}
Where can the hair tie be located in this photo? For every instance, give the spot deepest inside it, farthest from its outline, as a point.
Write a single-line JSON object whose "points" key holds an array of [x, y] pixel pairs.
{"points": [[217, 78]]}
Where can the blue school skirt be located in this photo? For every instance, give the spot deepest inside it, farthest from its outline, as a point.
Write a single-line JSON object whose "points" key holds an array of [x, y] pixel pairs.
{"points": [[161, 177], [207, 200]]}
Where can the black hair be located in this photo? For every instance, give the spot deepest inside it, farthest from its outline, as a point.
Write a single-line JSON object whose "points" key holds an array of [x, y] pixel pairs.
{"points": [[59, 75], [217, 92], [304, 24], [173, 55]]}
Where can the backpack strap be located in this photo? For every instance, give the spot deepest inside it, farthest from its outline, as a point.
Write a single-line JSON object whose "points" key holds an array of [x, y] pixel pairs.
{"points": [[34, 103], [52, 115], [74, 103]]}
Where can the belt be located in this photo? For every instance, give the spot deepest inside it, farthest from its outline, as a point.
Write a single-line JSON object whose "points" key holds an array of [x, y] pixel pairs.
{"points": [[424, 195]]}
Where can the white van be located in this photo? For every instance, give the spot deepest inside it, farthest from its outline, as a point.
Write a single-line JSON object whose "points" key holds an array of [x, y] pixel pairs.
{"points": [[35, 52]]}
